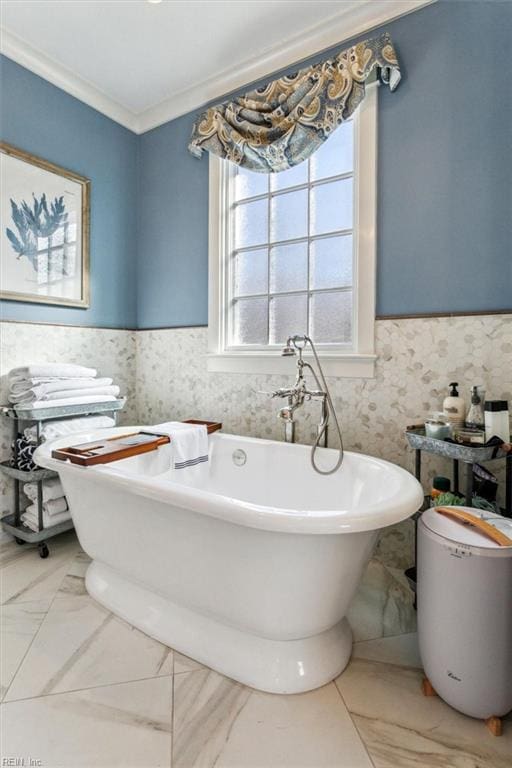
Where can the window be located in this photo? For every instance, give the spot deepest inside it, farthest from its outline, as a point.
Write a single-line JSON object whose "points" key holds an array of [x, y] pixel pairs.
{"points": [[294, 252]]}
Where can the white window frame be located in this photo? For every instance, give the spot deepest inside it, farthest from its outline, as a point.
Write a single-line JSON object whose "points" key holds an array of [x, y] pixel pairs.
{"points": [[359, 361]]}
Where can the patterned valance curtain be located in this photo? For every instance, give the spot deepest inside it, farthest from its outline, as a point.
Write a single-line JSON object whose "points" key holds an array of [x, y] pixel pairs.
{"points": [[281, 124]]}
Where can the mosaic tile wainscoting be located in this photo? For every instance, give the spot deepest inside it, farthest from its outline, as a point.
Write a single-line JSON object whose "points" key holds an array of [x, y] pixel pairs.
{"points": [[164, 375], [417, 358], [112, 352]]}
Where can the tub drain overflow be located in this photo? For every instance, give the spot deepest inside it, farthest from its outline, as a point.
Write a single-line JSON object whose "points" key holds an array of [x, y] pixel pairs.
{"points": [[239, 457]]}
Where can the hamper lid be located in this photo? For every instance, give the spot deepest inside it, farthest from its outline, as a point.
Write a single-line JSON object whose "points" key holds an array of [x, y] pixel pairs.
{"points": [[466, 534]]}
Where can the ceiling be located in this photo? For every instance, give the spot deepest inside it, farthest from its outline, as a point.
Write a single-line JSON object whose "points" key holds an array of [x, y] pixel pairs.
{"points": [[143, 63]]}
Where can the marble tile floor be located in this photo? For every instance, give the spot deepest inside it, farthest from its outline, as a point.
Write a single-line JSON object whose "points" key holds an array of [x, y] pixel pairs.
{"points": [[80, 687]]}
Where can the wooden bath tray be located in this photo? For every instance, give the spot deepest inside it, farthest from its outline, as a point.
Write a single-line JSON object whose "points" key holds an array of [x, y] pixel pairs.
{"points": [[111, 449], [211, 426], [121, 447]]}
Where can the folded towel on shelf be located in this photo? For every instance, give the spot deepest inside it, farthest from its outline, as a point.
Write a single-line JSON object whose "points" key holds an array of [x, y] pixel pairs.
{"points": [[22, 452], [26, 389], [189, 443], [56, 429], [52, 489], [71, 395], [50, 508], [31, 520], [67, 401], [52, 370]]}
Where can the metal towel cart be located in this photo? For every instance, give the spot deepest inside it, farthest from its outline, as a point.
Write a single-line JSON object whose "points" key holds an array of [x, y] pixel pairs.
{"points": [[12, 523]]}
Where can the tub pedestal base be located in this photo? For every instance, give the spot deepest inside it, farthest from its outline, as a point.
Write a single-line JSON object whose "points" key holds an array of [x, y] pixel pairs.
{"points": [[276, 666]]}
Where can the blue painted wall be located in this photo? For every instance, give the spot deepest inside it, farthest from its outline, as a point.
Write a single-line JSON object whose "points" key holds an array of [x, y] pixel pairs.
{"points": [[172, 265], [445, 192], [445, 170], [42, 119]]}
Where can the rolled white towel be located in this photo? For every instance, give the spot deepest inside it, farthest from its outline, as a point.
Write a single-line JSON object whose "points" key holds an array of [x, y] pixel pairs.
{"points": [[31, 520], [68, 426], [50, 508], [20, 393], [64, 394], [52, 370], [52, 489], [75, 400]]}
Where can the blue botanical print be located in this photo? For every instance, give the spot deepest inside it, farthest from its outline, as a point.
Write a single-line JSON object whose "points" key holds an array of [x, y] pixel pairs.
{"points": [[34, 223]]}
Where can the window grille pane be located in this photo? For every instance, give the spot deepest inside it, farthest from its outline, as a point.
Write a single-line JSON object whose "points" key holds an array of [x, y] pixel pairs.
{"points": [[251, 223], [250, 183], [336, 155], [250, 321], [288, 315], [289, 267], [331, 206], [331, 262], [331, 317], [58, 236], [289, 217], [251, 272], [296, 175], [71, 232]]}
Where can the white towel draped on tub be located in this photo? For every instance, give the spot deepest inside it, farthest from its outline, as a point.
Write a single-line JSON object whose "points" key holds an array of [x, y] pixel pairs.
{"points": [[189, 443]]}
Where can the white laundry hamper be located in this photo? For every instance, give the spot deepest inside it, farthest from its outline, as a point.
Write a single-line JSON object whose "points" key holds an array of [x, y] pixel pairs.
{"points": [[464, 593]]}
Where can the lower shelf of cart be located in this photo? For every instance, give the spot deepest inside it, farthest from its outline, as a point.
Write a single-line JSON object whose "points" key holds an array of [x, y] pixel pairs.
{"points": [[33, 537], [30, 476]]}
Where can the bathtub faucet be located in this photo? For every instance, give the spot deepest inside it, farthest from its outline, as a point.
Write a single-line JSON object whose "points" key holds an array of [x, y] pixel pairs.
{"points": [[299, 394], [296, 397]]}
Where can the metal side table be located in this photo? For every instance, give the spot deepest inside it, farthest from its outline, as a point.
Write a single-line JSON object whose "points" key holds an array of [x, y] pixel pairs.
{"points": [[465, 454]]}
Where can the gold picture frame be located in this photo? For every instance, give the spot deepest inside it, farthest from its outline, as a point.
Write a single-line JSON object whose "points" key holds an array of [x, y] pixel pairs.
{"points": [[45, 231]]}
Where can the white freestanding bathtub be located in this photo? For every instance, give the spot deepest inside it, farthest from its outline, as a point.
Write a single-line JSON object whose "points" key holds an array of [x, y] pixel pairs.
{"points": [[247, 565]]}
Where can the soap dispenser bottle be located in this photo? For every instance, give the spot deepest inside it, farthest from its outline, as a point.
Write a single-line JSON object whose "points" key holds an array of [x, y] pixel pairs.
{"points": [[475, 417], [453, 407]]}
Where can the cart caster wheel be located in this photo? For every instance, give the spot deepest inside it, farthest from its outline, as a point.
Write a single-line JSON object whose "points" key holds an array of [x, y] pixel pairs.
{"points": [[43, 551], [19, 541]]}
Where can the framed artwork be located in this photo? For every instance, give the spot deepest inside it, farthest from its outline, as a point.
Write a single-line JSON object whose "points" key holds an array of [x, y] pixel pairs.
{"points": [[44, 236]]}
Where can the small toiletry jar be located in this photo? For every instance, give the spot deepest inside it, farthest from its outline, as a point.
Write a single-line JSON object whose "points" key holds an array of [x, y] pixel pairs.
{"points": [[469, 436], [438, 426], [440, 485], [497, 420]]}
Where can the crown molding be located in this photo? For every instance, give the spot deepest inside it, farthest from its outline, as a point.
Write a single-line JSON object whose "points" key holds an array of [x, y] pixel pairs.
{"points": [[354, 18], [36, 61]]}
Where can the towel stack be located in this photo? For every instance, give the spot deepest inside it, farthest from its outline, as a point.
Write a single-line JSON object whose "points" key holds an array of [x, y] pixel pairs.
{"points": [[55, 506], [26, 443], [55, 384]]}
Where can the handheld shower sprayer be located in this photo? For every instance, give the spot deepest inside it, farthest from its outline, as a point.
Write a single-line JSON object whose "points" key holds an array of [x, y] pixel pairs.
{"points": [[294, 345]]}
